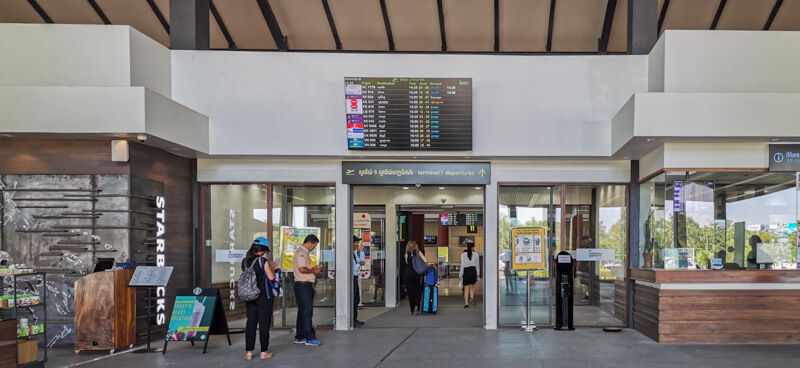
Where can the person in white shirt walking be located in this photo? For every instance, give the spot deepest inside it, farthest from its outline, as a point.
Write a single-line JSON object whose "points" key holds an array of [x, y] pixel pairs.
{"points": [[469, 273]]}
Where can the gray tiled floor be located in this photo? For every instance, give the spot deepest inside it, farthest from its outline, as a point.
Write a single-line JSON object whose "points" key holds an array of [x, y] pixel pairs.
{"points": [[462, 348]]}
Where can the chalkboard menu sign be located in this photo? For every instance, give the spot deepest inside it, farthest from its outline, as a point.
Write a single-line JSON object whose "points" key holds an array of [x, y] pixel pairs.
{"points": [[409, 114], [461, 219]]}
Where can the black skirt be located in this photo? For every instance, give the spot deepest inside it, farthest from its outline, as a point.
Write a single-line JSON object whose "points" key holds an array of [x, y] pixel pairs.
{"points": [[470, 276]]}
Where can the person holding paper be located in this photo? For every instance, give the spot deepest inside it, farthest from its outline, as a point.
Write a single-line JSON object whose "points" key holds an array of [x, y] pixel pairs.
{"points": [[259, 311], [304, 278]]}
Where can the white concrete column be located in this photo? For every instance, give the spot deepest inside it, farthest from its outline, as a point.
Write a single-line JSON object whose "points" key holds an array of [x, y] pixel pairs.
{"points": [[490, 257], [390, 236], [344, 232]]}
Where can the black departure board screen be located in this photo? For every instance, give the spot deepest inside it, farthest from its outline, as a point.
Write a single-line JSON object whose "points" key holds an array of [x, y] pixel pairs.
{"points": [[461, 219], [409, 114]]}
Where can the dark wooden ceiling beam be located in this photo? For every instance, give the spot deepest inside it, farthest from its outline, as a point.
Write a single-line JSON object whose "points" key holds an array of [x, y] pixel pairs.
{"points": [[221, 24], [158, 14], [440, 6], [549, 46], [272, 23], [663, 15], [40, 11], [496, 25], [387, 24], [331, 23], [99, 11], [772, 15], [611, 9], [720, 9]]}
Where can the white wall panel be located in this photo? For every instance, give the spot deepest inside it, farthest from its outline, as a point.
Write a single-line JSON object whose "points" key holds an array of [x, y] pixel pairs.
{"points": [[292, 103]]}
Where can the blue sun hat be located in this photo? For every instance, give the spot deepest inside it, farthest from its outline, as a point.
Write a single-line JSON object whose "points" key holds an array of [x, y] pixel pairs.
{"points": [[262, 241]]}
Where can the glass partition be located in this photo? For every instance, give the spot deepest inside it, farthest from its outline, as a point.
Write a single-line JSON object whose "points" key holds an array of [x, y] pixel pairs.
{"points": [[302, 210], [737, 219], [526, 207]]}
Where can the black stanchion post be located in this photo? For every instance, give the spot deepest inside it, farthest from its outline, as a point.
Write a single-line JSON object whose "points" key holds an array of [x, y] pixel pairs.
{"points": [[563, 264]]}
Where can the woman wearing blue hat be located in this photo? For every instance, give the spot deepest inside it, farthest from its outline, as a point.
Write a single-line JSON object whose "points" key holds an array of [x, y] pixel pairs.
{"points": [[259, 311]]}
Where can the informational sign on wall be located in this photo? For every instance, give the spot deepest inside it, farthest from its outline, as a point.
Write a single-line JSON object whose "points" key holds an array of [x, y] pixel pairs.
{"points": [[784, 157], [291, 239], [412, 173], [595, 254], [529, 248], [230, 255]]}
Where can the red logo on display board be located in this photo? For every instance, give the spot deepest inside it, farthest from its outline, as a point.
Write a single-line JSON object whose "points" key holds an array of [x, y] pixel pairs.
{"points": [[353, 103]]}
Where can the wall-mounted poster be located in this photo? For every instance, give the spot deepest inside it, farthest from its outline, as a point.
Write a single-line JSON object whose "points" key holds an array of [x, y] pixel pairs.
{"points": [[291, 239], [528, 249]]}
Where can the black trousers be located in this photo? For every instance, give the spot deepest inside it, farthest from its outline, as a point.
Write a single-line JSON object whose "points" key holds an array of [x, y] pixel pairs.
{"points": [[259, 314], [356, 298], [413, 290], [304, 293]]}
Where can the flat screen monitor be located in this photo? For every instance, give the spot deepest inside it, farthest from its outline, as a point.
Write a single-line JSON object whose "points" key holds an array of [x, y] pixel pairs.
{"points": [[409, 114], [102, 264], [431, 240]]}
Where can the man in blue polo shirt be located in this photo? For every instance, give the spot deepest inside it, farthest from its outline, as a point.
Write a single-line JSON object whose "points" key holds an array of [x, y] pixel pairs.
{"points": [[358, 260]]}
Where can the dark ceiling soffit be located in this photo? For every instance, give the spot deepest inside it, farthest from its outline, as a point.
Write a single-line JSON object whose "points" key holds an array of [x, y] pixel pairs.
{"points": [[720, 9], [332, 24], [611, 9], [510, 53], [40, 11], [772, 15], [221, 24], [496, 25], [549, 46], [99, 12], [662, 15], [272, 23], [158, 14], [387, 24], [441, 24]]}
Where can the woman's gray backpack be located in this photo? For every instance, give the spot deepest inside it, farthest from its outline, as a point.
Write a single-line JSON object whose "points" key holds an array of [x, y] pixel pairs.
{"points": [[248, 283]]}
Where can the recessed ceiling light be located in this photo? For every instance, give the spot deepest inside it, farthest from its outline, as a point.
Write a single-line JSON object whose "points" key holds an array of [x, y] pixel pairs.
{"points": [[626, 158], [361, 156], [415, 157], [649, 139], [406, 188], [775, 139], [477, 188], [467, 157], [441, 188], [331, 187]]}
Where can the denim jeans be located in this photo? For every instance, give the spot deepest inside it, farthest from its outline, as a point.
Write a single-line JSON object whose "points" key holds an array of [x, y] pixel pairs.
{"points": [[304, 293]]}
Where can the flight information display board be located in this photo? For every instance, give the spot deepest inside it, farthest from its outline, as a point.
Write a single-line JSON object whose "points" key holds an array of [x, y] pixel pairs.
{"points": [[461, 219], [409, 114]]}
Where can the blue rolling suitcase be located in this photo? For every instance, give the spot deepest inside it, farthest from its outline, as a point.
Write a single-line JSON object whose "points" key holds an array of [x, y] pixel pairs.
{"points": [[430, 299], [430, 295]]}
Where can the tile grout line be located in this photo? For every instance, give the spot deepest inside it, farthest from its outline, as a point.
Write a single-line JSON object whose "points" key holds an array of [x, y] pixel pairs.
{"points": [[398, 345]]}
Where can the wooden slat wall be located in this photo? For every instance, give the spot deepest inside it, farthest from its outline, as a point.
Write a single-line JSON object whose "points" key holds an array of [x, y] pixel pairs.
{"points": [[619, 299], [176, 174], [729, 316], [62, 157], [717, 316], [8, 343], [645, 311]]}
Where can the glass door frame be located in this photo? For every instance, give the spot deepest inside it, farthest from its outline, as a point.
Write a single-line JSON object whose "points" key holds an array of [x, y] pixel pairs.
{"points": [[563, 223]]}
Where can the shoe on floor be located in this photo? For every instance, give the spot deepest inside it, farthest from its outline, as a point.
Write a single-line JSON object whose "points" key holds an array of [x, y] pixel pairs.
{"points": [[359, 323], [466, 306], [299, 341], [313, 342]]}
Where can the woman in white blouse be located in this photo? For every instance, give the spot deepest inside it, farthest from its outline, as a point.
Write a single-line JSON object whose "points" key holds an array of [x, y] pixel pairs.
{"points": [[469, 273]]}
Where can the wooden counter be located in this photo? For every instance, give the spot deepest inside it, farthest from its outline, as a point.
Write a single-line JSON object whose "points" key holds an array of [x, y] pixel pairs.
{"points": [[717, 306]]}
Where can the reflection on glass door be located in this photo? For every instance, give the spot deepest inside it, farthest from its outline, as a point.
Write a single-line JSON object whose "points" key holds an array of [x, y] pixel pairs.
{"points": [[526, 207]]}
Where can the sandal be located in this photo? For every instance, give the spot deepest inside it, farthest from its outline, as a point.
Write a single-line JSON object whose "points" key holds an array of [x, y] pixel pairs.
{"points": [[248, 355], [266, 355]]}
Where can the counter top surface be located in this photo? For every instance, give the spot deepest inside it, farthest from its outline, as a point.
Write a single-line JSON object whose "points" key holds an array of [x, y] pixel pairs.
{"points": [[715, 276]]}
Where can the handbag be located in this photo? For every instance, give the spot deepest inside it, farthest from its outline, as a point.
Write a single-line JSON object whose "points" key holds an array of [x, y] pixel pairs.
{"points": [[419, 265]]}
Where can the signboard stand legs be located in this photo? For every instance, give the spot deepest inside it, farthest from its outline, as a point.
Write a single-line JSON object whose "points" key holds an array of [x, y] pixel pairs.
{"points": [[528, 324], [528, 253], [149, 323]]}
